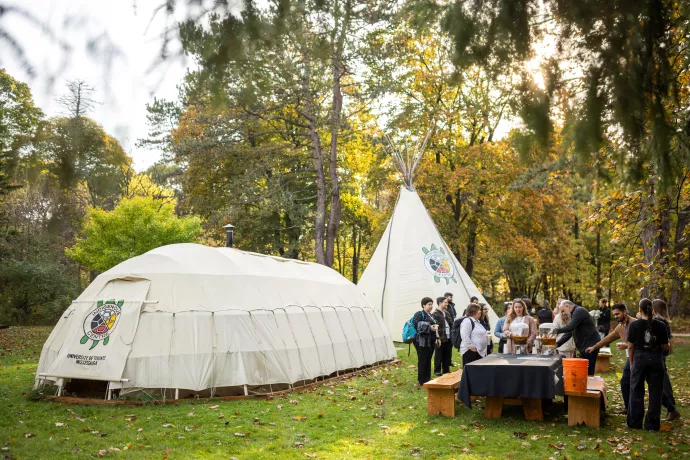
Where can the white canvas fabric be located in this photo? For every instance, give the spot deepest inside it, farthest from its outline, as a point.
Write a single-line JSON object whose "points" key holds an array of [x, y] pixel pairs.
{"points": [[220, 317], [97, 347], [411, 262]]}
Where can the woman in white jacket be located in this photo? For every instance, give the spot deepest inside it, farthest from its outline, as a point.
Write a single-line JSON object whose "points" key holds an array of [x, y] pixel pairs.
{"points": [[473, 334]]}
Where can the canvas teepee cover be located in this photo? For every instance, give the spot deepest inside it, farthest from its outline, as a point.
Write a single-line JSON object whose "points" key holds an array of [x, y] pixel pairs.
{"points": [[412, 261], [190, 318]]}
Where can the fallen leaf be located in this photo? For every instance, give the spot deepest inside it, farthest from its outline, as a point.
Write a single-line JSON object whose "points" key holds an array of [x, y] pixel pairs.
{"points": [[59, 424], [168, 425], [29, 435], [519, 435], [240, 435], [214, 407], [102, 453]]}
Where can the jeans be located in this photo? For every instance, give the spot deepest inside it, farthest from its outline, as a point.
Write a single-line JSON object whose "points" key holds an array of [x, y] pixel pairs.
{"points": [[442, 358], [424, 355], [592, 358], [647, 366], [667, 399], [625, 384]]}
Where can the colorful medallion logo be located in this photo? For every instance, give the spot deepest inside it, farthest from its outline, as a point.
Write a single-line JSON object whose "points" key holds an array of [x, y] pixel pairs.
{"points": [[438, 264], [101, 322]]}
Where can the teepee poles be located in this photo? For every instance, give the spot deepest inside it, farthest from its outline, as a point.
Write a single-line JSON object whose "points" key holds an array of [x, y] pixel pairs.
{"points": [[407, 160]]}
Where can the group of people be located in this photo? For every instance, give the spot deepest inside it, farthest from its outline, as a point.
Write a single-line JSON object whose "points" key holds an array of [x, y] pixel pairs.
{"points": [[646, 341], [433, 339]]}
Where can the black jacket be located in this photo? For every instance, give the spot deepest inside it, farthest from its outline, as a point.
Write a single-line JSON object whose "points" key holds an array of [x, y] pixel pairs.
{"points": [[605, 317], [581, 328], [422, 322], [452, 311]]}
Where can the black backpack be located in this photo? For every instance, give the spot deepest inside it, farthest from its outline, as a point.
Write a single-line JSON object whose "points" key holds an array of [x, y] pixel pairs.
{"points": [[455, 337]]}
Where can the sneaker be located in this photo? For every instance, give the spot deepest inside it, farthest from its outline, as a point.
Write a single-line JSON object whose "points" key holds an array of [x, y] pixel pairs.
{"points": [[672, 416]]}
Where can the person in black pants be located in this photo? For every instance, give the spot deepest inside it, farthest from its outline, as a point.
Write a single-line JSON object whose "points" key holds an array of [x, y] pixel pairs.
{"points": [[451, 305], [605, 316], [667, 399], [647, 340], [426, 339], [484, 321], [583, 331], [444, 353]]}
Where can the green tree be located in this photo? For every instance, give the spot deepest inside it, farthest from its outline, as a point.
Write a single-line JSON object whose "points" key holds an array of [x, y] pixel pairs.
{"points": [[135, 226], [19, 121]]}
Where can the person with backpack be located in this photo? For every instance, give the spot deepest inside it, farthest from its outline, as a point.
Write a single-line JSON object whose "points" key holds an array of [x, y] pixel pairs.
{"points": [[444, 353], [426, 339], [472, 335], [667, 398], [647, 341]]}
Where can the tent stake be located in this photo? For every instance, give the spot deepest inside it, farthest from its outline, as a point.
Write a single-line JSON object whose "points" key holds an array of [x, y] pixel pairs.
{"points": [[246, 393], [177, 393]]}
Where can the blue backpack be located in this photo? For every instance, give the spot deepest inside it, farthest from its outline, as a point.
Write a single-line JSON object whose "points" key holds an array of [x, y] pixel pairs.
{"points": [[409, 332]]}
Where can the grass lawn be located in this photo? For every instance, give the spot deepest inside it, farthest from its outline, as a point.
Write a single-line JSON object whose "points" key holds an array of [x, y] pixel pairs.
{"points": [[377, 415]]}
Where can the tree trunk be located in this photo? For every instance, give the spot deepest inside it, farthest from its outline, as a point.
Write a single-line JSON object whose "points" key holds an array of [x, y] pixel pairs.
{"points": [[335, 212], [599, 288], [655, 239], [356, 245], [317, 155], [472, 229], [680, 247]]}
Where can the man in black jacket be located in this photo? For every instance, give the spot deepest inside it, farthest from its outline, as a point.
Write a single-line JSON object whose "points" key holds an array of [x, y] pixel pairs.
{"points": [[605, 316], [443, 354], [451, 305], [583, 331]]}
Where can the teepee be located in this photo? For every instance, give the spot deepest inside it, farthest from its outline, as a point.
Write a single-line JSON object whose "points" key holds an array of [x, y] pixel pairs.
{"points": [[412, 260]]}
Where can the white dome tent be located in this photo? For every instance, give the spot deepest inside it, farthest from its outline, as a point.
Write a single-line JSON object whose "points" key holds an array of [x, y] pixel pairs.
{"points": [[190, 319], [412, 260]]}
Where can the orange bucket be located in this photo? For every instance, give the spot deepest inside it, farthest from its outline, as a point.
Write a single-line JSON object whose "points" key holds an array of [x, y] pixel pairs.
{"points": [[575, 374]]}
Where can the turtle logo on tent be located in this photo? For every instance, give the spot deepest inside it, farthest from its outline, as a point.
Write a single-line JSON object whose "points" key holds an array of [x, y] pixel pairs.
{"points": [[100, 322], [438, 264]]}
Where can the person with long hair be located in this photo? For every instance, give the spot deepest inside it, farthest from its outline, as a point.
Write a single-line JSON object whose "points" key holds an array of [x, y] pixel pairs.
{"points": [[484, 320], [647, 341], [519, 314], [562, 318], [667, 399]]}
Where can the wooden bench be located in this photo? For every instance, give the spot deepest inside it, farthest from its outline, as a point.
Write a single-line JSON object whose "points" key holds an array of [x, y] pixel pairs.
{"points": [[530, 406], [584, 408], [440, 394], [603, 363]]}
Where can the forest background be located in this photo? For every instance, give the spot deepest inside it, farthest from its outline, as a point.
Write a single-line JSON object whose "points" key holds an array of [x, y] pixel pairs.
{"points": [[557, 165]]}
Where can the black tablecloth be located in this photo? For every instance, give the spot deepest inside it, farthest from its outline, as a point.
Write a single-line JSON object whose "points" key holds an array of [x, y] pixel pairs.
{"points": [[512, 376]]}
